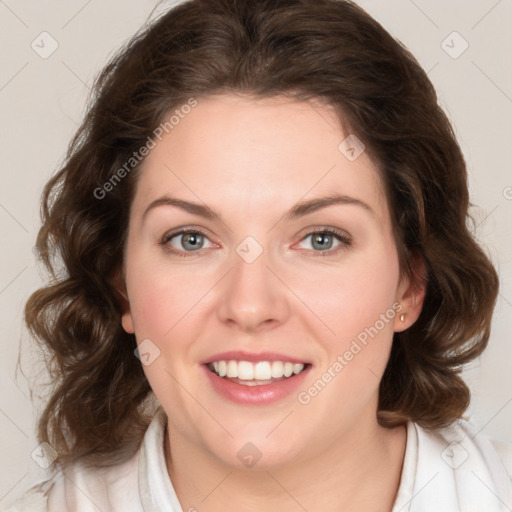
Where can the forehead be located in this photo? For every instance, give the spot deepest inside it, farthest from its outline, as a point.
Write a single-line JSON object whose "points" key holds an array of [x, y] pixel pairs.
{"points": [[241, 152]]}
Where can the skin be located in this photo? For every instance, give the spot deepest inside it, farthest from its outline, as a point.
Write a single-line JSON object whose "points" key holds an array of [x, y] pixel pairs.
{"points": [[251, 161]]}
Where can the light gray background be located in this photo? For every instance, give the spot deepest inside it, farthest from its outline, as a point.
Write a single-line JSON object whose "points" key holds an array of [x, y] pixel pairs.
{"points": [[42, 102]]}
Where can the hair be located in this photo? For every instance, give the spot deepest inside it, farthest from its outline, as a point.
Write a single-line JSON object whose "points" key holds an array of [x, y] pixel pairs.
{"points": [[306, 50]]}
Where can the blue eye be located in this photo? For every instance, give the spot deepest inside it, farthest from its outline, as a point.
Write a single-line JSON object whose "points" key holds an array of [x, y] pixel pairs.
{"points": [[322, 241], [190, 240]]}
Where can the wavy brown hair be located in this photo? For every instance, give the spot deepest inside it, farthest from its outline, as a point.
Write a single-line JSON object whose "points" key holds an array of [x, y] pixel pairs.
{"points": [[324, 50]]}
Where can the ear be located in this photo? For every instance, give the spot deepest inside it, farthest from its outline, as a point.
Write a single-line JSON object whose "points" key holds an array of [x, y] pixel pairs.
{"points": [[118, 282], [411, 294]]}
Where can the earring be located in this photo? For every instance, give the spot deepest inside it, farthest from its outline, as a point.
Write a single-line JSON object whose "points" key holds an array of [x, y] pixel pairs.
{"points": [[402, 317]]}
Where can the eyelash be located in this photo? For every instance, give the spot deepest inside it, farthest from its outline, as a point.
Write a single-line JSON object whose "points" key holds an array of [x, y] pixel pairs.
{"points": [[345, 240]]}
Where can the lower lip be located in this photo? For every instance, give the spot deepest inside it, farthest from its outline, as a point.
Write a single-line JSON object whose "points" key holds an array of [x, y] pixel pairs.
{"points": [[255, 395]]}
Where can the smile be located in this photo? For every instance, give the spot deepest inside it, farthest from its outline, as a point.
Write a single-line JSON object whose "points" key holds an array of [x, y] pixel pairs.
{"points": [[257, 382], [255, 374]]}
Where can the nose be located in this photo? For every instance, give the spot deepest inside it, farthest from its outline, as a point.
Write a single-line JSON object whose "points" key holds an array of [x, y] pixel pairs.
{"points": [[252, 297]]}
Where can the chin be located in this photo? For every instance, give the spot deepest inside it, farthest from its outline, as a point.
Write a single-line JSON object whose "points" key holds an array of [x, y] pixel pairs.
{"points": [[257, 452]]}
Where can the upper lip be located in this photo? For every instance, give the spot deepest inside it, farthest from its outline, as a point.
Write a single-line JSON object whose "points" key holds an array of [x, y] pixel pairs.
{"points": [[253, 357]]}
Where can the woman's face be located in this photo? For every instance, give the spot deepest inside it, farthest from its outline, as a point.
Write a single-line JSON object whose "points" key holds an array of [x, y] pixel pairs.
{"points": [[259, 283]]}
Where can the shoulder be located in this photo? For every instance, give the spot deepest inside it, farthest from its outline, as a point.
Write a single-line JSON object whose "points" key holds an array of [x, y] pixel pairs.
{"points": [[455, 468], [504, 451], [80, 488], [34, 499], [462, 443], [120, 487]]}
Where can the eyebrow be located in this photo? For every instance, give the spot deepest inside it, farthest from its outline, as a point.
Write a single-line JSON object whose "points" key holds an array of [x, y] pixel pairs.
{"points": [[300, 209]]}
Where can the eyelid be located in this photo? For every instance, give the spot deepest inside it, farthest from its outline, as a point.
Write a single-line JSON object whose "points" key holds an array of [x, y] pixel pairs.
{"points": [[342, 236], [310, 230], [181, 231]]}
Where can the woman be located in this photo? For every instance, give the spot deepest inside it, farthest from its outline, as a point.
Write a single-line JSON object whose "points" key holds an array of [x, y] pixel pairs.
{"points": [[269, 287]]}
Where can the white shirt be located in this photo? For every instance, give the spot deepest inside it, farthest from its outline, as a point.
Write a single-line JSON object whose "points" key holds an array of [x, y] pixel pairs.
{"points": [[454, 470]]}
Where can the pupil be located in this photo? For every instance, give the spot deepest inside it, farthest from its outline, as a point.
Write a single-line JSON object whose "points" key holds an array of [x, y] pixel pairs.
{"points": [[321, 240], [191, 238]]}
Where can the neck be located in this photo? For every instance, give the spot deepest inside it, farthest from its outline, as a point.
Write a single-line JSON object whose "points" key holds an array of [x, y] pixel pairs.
{"points": [[359, 472]]}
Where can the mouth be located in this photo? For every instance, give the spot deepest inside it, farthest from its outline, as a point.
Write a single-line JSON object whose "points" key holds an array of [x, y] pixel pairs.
{"points": [[261, 380], [261, 373]]}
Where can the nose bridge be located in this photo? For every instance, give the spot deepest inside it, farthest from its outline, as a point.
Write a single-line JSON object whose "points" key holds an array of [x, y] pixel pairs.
{"points": [[252, 295]]}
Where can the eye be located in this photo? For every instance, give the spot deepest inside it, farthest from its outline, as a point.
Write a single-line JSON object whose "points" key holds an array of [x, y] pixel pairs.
{"points": [[322, 241], [191, 240], [186, 240]]}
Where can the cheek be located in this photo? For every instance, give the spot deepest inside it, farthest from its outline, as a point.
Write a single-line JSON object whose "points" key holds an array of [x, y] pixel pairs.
{"points": [[361, 308], [161, 303], [160, 296], [353, 295], [151, 306], [356, 302]]}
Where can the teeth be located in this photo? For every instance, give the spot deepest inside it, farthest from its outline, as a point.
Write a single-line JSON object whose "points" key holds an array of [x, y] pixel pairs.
{"points": [[232, 370], [277, 369], [245, 370], [262, 371], [297, 368]]}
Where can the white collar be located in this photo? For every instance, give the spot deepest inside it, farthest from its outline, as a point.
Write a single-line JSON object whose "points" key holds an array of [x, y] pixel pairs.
{"points": [[453, 470], [156, 490]]}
